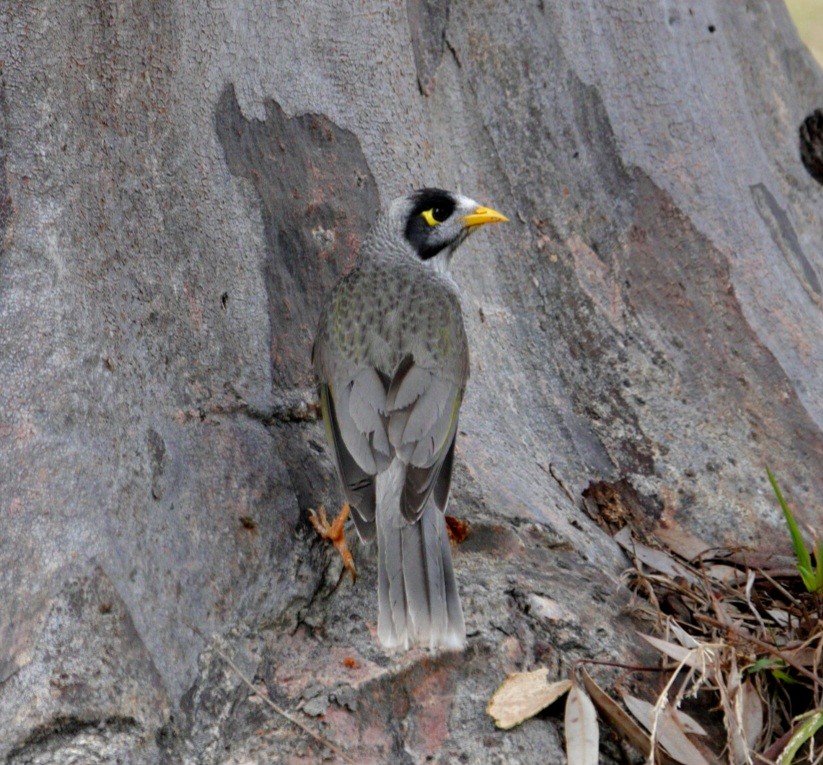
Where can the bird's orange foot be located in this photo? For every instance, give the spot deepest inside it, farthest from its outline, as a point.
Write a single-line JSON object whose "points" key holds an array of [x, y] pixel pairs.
{"points": [[335, 533], [457, 529]]}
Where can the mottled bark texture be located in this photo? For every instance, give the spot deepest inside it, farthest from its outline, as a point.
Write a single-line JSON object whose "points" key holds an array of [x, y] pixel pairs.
{"points": [[180, 183]]}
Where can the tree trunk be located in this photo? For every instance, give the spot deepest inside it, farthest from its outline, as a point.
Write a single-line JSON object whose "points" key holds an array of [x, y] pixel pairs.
{"points": [[180, 185]]}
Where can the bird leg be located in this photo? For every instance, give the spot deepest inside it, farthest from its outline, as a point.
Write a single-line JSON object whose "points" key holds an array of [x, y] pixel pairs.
{"points": [[335, 533]]}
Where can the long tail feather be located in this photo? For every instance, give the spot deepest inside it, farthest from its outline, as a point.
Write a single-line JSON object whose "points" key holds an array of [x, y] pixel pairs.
{"points": [[417, 594]]}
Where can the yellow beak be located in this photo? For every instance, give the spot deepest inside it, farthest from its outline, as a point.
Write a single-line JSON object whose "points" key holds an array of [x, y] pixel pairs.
{"points": [[483, 215]]}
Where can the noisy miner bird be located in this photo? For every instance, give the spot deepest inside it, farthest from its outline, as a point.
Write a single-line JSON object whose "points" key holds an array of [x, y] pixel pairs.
{"points": [[392, 361]]}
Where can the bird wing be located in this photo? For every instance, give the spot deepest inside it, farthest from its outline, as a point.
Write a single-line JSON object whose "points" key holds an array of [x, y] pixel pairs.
{"points": [[422, 406], [355, 426], [413, 417]]}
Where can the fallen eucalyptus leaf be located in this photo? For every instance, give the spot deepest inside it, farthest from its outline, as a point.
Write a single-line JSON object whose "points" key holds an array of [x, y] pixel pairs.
{"points": [[522, 695], [582, 732], [622, 722], [669, 730], [751, 714], [659, 560], [686, 656], [684, 637]]}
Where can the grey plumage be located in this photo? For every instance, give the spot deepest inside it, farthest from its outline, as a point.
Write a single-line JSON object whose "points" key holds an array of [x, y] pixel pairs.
{"points": [[392, 362]]}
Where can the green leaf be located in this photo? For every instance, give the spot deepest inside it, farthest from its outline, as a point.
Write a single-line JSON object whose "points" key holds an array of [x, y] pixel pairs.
{"points": [[803, 734], [763, 664], [779, 674], [816, 581], [812, 577]]}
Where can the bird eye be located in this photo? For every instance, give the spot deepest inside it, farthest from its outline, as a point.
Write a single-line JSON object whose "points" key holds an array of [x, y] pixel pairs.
{"points": [[435, 215]]}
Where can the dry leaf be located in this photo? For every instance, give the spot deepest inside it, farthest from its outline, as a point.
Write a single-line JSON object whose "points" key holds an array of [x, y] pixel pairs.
{"points": [[751, 714], [684, 637], [669, 730], [804, 655], [688, 723], [779, 615], [685, 721], [731, 699], [686, 656], [657, 559], [582, 733], [725, 574], [721, 610], [522, 695], [680, 541], [620, 720]]}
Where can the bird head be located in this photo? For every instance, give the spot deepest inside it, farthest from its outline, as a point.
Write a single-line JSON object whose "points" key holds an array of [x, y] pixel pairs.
{"points": [[436, 222]]}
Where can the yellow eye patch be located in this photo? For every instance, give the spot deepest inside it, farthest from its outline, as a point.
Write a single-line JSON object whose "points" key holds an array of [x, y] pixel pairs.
{"points": [[428, 216]]}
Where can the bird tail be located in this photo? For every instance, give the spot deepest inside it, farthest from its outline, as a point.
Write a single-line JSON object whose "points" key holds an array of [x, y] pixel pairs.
{"points": [[418, 600]]}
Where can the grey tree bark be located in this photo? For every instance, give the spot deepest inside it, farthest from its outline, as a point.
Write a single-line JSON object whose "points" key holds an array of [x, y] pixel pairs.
{"points": [[180, 184]]}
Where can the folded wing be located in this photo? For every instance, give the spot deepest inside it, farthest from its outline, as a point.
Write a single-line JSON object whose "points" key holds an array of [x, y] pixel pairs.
{"points": [[372, 419]]}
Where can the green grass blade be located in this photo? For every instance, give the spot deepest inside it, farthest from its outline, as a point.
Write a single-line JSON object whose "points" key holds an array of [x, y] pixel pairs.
{"points": [[803, 734], [804, 559], [815, 583]]}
